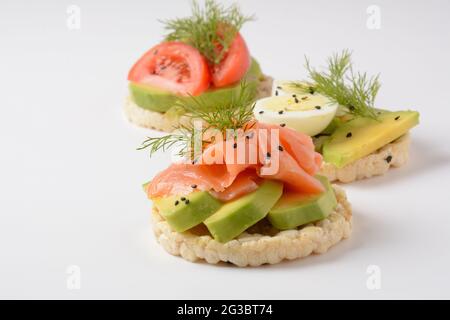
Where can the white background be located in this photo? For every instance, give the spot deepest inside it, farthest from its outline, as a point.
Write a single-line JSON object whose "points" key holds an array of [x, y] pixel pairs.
{"points": [[70, 177]]}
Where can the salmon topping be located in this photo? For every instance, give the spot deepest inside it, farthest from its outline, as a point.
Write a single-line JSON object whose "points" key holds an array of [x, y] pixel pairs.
{"points": [[234, 167]]}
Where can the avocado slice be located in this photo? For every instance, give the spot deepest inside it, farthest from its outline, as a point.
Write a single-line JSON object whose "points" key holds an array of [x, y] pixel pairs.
{"points": [[319, 141], [185, 212], [159, 100], [236, 216], [334, 124], [151, 98], [360, 137], [293, 210]]}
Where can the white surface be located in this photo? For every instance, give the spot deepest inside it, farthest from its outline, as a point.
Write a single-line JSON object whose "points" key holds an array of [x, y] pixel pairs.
{"points": [[70, 177]]}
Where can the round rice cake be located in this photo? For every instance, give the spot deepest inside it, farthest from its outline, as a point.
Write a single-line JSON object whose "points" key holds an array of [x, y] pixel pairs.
{"points": [[394, 154], [260, 244], [168, 123]]}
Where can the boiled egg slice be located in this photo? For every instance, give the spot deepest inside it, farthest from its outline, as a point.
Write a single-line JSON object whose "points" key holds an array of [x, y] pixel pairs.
{"points": [[286, 87], [307, 113]]}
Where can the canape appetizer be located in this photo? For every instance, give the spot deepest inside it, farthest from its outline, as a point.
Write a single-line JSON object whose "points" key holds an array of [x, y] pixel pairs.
{"points": [[245, 192], [203, 55], [336, 108]]}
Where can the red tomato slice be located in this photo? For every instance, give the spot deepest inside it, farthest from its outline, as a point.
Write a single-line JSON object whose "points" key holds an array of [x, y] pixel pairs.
{"points": [[173, 66], [234, 65]]}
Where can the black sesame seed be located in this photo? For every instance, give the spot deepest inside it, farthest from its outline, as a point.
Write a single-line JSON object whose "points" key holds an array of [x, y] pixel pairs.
{"points": [[280, 112], [388, 159], [311, 90], [280, 148], [276, 92], [187, 201], [235, 145], [261, 112], [296, 100], [279, 88], [349, 135], [177, 202], [318, 107], [304, 98], [397, 117], [268, 155], [351, 108], [294, 96], [283, 125], [194, 186], [182, 198]]}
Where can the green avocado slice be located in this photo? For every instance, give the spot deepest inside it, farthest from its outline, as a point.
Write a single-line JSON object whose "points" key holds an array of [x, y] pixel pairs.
{"points": [[185, 212], [159, 100], [319, 141], [236, 216], [151, 98], [360, 137], [293, 210]]}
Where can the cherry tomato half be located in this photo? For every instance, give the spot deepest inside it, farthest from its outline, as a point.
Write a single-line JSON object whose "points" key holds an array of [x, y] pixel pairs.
{"points": [[235, 64], [173, 66]]}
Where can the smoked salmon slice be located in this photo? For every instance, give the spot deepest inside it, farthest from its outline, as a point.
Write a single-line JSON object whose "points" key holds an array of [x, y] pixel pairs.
{"points": [[229, 169], [245, 182]]}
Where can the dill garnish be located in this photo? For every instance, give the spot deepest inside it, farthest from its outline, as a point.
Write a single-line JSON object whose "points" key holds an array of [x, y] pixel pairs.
{"points": [[210, 29], [232, 113], [183, 139], [355, 91], [235, 114]]}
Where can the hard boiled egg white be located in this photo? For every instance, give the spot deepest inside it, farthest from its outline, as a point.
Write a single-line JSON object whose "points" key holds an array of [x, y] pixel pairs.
{"points": [[307, 113], [289, 87]]}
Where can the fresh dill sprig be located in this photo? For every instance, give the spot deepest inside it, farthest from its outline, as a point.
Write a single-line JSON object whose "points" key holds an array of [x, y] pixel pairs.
{"points": [[155, 144], [210, 29], [235, 114], [182, 138], [355, 91]]}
